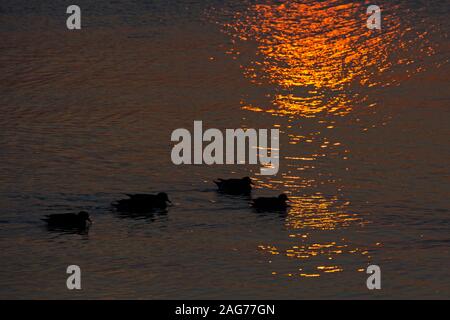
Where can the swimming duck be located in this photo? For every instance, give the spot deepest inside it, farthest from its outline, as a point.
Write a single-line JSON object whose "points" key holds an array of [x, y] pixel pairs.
{"points": [[274, 203], [235, 186], [79, 220], [143, 202]]}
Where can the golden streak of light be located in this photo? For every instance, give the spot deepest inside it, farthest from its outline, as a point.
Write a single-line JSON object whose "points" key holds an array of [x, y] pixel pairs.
{"points": [[318, 55], [310, 275]]}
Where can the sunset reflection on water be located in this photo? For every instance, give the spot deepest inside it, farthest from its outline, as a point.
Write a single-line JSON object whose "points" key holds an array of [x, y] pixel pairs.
{"points": [[318, 60], [87, 116], [320, 55]]}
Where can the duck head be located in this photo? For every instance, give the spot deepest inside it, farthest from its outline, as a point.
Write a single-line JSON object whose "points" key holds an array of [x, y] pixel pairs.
{"points": [[282, 197], [84, 216], [162, 196]]}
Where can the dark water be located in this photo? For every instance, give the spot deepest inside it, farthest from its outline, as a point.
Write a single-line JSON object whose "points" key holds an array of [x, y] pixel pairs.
{"points": [[87, 115]]}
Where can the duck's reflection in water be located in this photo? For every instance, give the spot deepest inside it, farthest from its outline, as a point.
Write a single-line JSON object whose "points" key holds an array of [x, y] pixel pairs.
{"points": [[83, 231], [150, 216]]}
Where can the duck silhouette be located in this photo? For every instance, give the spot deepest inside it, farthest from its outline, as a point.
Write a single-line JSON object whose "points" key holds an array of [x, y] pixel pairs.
{"points": [[79, 220], [271, 203], [234, 186], [141, 203]]}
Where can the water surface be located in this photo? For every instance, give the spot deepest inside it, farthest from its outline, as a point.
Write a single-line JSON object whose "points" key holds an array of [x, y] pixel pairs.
{"points": [[363, 116]]}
